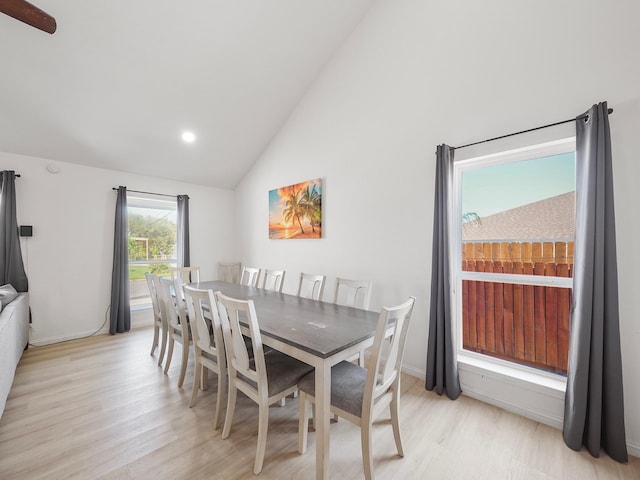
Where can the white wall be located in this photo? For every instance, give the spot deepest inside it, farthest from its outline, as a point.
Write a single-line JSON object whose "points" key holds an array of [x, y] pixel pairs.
{"points": [[69, 257], [416, 74]]}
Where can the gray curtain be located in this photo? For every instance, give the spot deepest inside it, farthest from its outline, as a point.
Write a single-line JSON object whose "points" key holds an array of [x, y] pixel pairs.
{"points": [[183, 231], [120, 311], [11, 266], [594, 404], [442, 369]]}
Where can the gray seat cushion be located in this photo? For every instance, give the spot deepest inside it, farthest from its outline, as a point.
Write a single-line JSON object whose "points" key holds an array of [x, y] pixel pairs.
{"points": [[347, 386], [283, 371]]}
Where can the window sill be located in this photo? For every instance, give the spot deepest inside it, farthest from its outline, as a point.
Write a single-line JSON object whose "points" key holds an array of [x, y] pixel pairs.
{"points": [[512, 373]]}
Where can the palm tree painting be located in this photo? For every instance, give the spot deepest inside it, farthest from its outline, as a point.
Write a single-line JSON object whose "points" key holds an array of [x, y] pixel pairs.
{"points": [[295, 211]]}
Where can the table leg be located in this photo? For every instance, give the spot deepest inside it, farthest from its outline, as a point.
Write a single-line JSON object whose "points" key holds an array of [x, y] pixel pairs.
{"points": [[323, 399]]}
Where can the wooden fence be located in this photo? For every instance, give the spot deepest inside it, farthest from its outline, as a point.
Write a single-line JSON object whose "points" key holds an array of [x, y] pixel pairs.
{"points": [[520, 323]]}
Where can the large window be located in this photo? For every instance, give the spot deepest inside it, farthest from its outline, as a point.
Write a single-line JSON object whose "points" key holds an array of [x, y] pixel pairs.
{"points": [[152, 241], [514, 219]]}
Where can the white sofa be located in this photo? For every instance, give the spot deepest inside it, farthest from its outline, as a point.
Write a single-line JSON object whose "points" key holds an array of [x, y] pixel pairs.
{"points": [[14, 336]]}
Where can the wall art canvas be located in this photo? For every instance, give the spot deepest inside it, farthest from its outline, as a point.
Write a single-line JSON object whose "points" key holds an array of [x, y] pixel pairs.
{"points": [[295, 211]]}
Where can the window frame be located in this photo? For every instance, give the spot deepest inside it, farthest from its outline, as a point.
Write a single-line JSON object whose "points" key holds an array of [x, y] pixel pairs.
{"points": [[475, 359]]}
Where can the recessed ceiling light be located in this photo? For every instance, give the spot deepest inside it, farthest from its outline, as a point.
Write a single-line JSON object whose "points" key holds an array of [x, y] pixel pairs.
{"points": [[188, 137]]}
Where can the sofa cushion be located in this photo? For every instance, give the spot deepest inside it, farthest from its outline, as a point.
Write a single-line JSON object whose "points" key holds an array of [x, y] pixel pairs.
{"points": [[7, 295]]}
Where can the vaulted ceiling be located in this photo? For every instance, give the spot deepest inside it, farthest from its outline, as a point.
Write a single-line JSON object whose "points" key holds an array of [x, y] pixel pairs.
{"points": [[119, 81]]}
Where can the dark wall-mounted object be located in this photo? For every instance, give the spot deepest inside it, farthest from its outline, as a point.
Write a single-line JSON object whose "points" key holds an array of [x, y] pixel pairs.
{"points": [[26, 230]]}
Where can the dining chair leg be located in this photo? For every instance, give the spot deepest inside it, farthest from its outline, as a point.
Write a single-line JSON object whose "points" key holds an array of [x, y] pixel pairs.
{"points": [[231, 406], [222, 385], [365, 438], [204, 382], [395, 423], [169, 354], [183, 365], [154, 345], [197, 375], [303, 424], [263, 426], [163, 347]]}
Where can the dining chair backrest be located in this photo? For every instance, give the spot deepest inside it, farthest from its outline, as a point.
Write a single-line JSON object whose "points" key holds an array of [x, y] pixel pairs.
{"points": [[232, 312], [152, 283], [353, 293], [173, 307], [311, 286], [186, 274], [229, 271], [273, 280], [383, 366], [206, 327], [159, 324], [250, 276]]}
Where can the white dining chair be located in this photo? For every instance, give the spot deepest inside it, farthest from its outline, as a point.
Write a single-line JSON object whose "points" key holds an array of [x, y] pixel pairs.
{"points": [[273, 280], [356, 294], [177, 323], [186, 274], [311, 286], [265, 380], [353, 293], [249, 277], [208, 345], [229, 271], [361, 394], [159, 326]]}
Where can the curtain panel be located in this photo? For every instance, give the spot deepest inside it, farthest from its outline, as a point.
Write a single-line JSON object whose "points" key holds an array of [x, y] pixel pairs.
{"points": [[120, 314], [594, 402], [11, 264], [184, 259], [442, 368]]}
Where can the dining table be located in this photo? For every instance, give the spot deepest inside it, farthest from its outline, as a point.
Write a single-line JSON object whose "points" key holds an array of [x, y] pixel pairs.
{"points": [[318, 333]]}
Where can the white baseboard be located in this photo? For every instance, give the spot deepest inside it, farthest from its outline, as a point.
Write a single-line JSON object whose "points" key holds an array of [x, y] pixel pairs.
{"points": [[139, 318], [634, 449]]}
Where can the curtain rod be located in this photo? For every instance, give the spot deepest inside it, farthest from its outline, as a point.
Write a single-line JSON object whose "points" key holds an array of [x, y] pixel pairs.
{"points": [[584, 115], [151, 193]]}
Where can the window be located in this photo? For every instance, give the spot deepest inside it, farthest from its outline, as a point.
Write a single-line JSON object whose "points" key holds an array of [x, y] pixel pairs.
{"points": [[513, 238], [152, 242]]}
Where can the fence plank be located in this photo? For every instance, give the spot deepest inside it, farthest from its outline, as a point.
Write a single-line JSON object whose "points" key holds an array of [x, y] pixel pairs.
{"points": [[560, 252], [480, 309], [528, 314], [498, 302], [495, 251], [551, 319], [505, 254], [518, 314], [564, 313], [539, 318], [473, 327], [508, 308], [486, 250], [490, 321]]}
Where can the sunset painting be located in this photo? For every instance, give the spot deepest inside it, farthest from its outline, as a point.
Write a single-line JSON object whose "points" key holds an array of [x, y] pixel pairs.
{"points": [[296, 211]]}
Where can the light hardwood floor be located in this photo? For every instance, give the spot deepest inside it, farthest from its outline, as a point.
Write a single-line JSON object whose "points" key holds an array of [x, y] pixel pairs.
{"points": [[102, 408]]}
